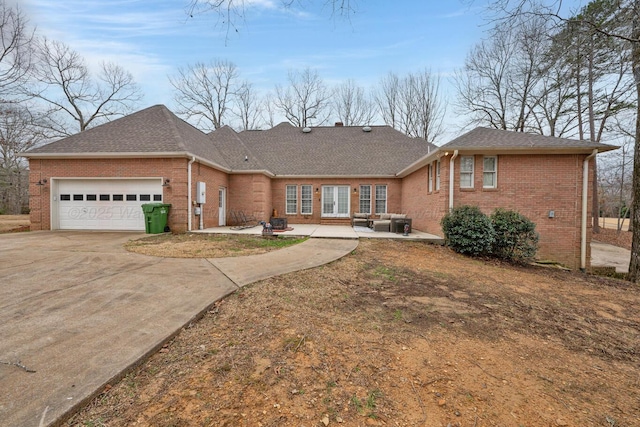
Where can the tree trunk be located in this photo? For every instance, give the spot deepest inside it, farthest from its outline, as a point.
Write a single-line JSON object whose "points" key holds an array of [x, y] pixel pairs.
{"points": [[634, 266]]}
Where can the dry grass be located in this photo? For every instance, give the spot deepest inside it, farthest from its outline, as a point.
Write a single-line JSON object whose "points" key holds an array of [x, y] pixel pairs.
{"points": [[188, 245], [397, 334]]}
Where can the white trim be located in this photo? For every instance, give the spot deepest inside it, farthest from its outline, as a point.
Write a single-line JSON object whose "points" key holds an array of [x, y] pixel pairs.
{"points": [[189, 197], [585, 197], [302, 199], [336, 201], [472, 173], [286, 199], [386, 198], [452, 176], [494, 172], [360, 198]]}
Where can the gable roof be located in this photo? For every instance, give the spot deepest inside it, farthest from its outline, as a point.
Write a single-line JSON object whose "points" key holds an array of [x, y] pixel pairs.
{"points": [[152, 132]]}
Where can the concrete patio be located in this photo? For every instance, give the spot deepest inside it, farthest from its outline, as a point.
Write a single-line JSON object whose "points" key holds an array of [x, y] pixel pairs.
{"points": [[329, 232]]}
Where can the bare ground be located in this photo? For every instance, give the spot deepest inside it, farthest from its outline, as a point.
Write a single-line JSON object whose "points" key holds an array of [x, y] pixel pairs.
{"points": [[14, 223], [397, 334]]}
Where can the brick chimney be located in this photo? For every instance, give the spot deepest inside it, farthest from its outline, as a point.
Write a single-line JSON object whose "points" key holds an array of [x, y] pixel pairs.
{"points": [[339, 124]]}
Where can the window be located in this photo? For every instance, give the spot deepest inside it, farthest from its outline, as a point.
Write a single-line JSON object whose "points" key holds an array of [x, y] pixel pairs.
{"points": [[306, 200], [466, 172], [381, 199], [65, 197], [131, 198], [490, 172], [145, 197], [105, 197], [365, 199], [438, 175], [156, 197], [118, 197], [92, 197], [78, 197], [292, 200], [430, 177]]}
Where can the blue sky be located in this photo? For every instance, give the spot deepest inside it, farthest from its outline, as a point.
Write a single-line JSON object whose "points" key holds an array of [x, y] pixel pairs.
{"points": [[151, 38]]}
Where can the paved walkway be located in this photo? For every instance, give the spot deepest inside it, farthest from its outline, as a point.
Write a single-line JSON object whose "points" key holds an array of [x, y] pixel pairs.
{"points": [[604, 255], [78, 309]]}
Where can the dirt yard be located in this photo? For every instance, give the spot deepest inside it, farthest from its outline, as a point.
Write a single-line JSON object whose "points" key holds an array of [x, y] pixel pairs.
{"points": [[397, 334], [12, 223]]}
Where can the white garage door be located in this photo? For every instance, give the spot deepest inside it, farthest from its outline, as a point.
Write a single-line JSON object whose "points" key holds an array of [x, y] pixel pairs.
{"points": [[105, 204]]}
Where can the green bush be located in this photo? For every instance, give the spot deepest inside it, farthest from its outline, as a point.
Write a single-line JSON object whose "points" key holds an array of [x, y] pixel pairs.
{"points": [[468, 231], [515, 236]]}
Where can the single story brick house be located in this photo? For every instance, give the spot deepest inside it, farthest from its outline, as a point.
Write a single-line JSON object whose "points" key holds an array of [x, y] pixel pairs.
{"points": [[97, 179]]}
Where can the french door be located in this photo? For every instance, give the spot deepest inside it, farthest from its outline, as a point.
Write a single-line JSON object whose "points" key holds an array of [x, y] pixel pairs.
{"points": [[335, 201]]}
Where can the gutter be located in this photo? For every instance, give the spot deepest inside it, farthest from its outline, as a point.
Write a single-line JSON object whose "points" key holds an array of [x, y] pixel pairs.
{"points": [[451, 178], [193, 159], [585, 196]]}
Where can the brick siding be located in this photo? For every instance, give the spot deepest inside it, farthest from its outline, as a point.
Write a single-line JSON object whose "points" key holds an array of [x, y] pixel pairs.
{"points": [[530, 184]]}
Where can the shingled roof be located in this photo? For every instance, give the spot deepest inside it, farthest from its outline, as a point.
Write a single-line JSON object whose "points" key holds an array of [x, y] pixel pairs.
{"points": [[285, 150], [494, 139], [152, 131], [334, 151]]}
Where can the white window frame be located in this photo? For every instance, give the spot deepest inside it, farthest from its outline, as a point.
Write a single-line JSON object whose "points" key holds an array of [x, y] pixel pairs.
{"points": [[430, 188], [438, 175], [465, 172], [361, 199], [331, 196], [306, 198], [493, 172], [378, 211], [291, 200]]}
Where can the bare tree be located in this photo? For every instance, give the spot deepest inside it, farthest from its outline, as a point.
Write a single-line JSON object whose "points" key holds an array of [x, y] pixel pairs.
{"points": [[306, 100], [18, 134], [205, 92], [387, 97], [497, 83], [412, 104], [247, 107], [74, 98], [230, 12], [269, 109], [15, 50], [421, 107], [626, 13], [351, 104]]}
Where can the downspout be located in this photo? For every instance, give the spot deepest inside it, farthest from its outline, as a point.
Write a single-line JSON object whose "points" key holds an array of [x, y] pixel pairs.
{"points": [[585, 196], [451, 178], [193, 159]]}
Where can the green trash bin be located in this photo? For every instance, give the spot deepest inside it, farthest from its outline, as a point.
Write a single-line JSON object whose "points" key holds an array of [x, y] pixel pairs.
{"points": [[155, 217]]}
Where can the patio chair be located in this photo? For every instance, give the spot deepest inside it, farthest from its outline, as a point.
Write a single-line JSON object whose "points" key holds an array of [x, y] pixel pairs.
{"points": [[243, 220], [360, 219]]}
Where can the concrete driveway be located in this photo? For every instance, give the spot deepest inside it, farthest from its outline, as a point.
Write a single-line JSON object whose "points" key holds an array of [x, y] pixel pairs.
{"points": [[77, 309]]}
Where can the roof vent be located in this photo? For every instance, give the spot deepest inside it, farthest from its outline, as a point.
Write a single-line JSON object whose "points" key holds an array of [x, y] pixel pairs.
{"points": [[339, 124], [306, 129], [366, 129]]}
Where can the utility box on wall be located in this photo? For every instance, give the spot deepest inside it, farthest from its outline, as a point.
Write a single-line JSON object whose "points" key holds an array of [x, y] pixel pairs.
{"points": [[201, 192]]}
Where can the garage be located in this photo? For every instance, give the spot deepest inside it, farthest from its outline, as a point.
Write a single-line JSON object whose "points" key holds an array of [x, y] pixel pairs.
{"points": [[103, 204]]}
